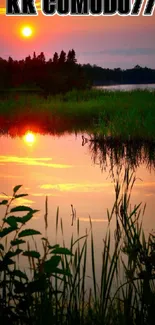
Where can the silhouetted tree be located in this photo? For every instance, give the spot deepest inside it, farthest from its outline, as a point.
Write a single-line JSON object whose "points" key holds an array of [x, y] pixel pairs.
{"points": [[28, 59], [34, 55], [41, 57], [63, 73], [62, 57], [71, 57], [55, 58], [10, 60]]}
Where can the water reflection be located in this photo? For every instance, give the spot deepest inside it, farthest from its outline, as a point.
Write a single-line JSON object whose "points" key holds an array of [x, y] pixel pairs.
{"points": [[128, 87], [50, 125], [109, 152], [65, 168], [29, 138]]}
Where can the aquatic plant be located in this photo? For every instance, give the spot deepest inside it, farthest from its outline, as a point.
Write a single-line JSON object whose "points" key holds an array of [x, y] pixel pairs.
{"points": [[51, 287]]}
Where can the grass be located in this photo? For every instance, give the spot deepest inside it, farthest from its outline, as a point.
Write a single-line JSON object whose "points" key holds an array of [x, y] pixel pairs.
{"points": [[53, 288], [118, 114]]}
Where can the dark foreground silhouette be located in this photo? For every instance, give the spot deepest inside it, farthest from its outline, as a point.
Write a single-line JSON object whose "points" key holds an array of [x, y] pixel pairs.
{"points": [[62, 73]]}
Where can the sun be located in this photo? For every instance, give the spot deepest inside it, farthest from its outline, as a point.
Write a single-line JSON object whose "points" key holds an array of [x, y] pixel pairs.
{"points": [[27, 31], [29, 138]]}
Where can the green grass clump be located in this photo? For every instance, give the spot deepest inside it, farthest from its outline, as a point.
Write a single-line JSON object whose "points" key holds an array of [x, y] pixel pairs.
{"points": [[52, 287], [119, 114]]}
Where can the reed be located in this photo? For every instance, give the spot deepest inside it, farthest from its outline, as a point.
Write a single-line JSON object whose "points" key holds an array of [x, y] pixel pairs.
{"points": [[52, 287]]}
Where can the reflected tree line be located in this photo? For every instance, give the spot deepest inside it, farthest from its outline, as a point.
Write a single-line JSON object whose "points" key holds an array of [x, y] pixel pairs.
{"points": [[110, 152], [105, 151]]}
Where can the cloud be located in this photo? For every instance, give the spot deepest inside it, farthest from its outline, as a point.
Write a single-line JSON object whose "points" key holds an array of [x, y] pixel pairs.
{"points": [[19, 201], [82, 187], [145, 187], [45, 162], [43, 194], [22, 201], [5, 197]]}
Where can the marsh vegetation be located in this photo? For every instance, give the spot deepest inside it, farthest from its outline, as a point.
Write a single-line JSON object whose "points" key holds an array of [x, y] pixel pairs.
{"points": [[51, 287], [122, 115]]}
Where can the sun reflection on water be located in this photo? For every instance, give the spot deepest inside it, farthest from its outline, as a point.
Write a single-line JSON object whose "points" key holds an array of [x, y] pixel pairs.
{"points": [[29, 138]]}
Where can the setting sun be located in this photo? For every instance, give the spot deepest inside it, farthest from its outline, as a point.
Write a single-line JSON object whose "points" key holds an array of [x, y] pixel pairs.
{"points": [[29, 138], [27, 31]]}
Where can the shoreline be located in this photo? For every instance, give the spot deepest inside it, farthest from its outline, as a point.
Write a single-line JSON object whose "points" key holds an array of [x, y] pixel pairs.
{"points": [[120, 114]]}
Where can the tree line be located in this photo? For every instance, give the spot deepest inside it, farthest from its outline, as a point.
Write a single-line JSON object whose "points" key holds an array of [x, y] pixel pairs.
{"points": [[62, 73], [101, 76]]}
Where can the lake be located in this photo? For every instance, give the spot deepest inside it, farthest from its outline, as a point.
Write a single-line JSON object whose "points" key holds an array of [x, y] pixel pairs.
{"points": [[71, 171], [127, 87]]}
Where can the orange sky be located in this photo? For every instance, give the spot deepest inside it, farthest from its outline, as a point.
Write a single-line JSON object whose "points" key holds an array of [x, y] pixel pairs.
{"points": [[106, 41]]}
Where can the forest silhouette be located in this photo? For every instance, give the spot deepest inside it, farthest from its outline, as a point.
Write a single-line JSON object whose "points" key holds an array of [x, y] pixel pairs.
{"points": [[62, 73]]}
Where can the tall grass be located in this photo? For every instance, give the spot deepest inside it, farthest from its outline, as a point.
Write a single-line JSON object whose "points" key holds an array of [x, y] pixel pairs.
{"points": [[120, 114], [53, 290]]}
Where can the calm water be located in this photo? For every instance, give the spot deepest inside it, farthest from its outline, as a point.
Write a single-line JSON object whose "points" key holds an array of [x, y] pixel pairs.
{"points": [[128, 87], [69, 172]]}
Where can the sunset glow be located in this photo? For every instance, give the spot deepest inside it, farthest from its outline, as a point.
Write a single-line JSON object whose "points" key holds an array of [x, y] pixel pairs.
{"points": [[27, 31], [110, 41], [29, 138]]}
